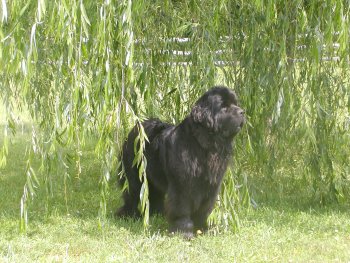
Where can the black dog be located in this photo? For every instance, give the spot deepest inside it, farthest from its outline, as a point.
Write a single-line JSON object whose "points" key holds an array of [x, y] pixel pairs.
{"points": [[185, 163]]}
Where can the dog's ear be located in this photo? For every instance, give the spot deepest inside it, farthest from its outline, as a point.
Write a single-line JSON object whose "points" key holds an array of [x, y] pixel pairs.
{"points": [[202, 114]]}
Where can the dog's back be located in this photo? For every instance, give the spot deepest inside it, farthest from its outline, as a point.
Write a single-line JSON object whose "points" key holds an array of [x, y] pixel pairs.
{"points": [[153, 127]]}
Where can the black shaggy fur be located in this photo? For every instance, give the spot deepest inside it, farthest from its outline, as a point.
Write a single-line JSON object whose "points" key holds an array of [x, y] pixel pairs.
{"points": [[185, 163]]}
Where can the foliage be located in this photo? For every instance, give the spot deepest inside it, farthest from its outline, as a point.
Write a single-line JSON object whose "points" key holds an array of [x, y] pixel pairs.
{"points": [[94, 68]]}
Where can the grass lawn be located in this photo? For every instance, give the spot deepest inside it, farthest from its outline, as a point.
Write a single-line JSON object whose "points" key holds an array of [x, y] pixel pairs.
{"points": [[70, 233]]}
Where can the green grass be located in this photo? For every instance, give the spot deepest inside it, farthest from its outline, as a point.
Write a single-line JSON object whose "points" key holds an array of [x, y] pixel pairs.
{"points": [[61, 233], [267, 235]]}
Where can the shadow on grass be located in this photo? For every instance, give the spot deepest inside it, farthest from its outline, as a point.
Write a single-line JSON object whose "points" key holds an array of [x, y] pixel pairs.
{"points": [[305, 219]]}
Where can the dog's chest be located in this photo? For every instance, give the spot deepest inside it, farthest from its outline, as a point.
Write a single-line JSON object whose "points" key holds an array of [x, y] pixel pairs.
{"points": [[216, 164], [208, 167]]}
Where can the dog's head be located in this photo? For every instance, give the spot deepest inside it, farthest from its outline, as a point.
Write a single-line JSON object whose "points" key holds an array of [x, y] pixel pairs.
{"points": [[217, 110]]}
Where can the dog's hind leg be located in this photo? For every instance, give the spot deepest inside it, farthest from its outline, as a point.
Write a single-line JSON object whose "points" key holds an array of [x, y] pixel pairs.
{"points": [[156, 200], [131, 199], [131, 196]]}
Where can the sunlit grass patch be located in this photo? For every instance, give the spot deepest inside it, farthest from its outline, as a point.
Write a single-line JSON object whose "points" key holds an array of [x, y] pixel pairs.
{"points": [[268, 234]]}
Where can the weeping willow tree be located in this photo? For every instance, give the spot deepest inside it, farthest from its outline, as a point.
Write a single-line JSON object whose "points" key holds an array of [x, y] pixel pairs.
{"points": [[83, 68]]}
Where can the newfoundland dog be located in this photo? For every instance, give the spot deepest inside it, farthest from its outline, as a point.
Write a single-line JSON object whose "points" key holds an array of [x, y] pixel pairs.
{"points": [[186, 162]]}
